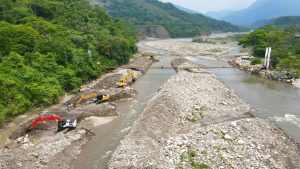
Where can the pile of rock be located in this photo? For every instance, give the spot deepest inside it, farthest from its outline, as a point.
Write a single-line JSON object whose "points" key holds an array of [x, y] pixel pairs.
{"points": [[276, 75], [245, 65], [247, 143]]}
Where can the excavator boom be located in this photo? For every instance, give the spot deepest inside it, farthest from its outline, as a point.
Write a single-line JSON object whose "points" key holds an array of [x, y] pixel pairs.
{"points": [[44, 119]]}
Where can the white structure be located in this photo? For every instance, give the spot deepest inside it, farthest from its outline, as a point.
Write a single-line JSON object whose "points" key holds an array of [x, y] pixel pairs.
{"points": [[267, 57]]}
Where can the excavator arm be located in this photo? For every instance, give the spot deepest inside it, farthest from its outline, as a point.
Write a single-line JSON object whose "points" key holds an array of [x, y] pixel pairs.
{"points": [[44, 119], [123, 81], [85, 97]]}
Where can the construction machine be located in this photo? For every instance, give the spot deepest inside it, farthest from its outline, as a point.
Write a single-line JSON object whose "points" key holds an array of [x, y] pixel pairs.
{"points": [[123, 81], [62, 123], [102, 98], [83, 98]]}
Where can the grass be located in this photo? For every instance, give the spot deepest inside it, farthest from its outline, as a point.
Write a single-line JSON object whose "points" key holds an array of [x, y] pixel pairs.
{"points": [[191, 158], [256, 61], [195, 114]]}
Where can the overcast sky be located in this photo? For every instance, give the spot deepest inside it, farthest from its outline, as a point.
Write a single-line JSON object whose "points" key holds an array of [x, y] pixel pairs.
{"points": [[204, 6]]}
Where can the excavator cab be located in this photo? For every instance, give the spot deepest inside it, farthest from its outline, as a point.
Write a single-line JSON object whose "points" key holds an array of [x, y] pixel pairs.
{"points": [[122, 83], [102, 98], [66, 123]]}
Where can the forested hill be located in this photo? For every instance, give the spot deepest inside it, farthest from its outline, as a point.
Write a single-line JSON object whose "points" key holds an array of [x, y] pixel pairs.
{"points": [[153, 12], [280, 21], [48, 47]]}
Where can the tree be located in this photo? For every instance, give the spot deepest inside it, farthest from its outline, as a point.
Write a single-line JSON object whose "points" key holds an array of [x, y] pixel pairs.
{"points": [[17, 38]]}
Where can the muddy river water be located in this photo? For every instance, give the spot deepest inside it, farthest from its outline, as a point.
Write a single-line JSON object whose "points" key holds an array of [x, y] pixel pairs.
{"points": [[273, 100]]}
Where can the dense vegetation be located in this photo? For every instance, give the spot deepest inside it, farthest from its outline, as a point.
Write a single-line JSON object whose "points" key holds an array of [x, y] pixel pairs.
{"points": [[51, 46], [154, 12], [282, 21], [285, 47]]}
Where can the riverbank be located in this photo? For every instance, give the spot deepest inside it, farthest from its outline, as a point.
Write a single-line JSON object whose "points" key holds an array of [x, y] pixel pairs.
{"points": [[259, 70], [44, 147], [194, 120]]}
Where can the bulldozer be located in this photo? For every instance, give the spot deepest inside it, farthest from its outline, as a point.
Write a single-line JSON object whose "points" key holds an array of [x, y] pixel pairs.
{"points": [[123, 81]]}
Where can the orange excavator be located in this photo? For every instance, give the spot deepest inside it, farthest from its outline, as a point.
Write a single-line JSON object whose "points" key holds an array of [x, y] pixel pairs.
{"points": [[62, 123], [83, 98]]}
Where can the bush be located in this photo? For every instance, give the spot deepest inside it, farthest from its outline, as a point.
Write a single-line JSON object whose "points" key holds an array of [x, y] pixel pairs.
{"points": [[290, 64], [256, 61]]}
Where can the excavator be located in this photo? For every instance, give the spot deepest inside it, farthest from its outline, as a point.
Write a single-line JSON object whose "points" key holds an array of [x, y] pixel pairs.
{"points": [[83, 98], [62, 123], [123, 81]]}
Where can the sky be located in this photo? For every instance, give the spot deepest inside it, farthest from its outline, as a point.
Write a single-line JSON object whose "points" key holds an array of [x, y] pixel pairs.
{"points": [[204, 6]]}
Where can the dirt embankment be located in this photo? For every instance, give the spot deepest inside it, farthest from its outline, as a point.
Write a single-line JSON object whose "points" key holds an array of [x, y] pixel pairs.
{"points": [[195, 121], [44, 147], [155, 31]]}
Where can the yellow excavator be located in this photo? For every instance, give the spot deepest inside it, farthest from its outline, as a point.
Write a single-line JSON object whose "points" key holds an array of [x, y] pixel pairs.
{"points": [[100, 98], [123, 81]]}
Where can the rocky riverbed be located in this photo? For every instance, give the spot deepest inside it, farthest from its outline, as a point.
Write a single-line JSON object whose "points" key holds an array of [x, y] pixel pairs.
{"points": [[44, 146], [194, 121]]}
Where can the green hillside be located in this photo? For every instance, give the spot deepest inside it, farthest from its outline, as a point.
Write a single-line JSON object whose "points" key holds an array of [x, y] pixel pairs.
{"points": [[280, 21], [51, 46], [154, 12]]}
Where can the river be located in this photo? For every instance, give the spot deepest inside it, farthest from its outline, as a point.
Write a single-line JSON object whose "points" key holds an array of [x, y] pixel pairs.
{"points": [[273, 100], [98, 151]]}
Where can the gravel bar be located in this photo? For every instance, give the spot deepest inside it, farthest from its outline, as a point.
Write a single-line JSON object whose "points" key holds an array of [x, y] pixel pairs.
{"points": [[195, 121]]}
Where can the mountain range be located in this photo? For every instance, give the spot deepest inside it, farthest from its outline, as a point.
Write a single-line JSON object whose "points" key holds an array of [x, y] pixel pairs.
{"points": [[264, 9], [156, 14]]}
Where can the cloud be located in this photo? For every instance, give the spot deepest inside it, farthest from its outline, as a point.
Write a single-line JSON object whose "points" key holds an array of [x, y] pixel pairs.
{"points": [[212, 5]]}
